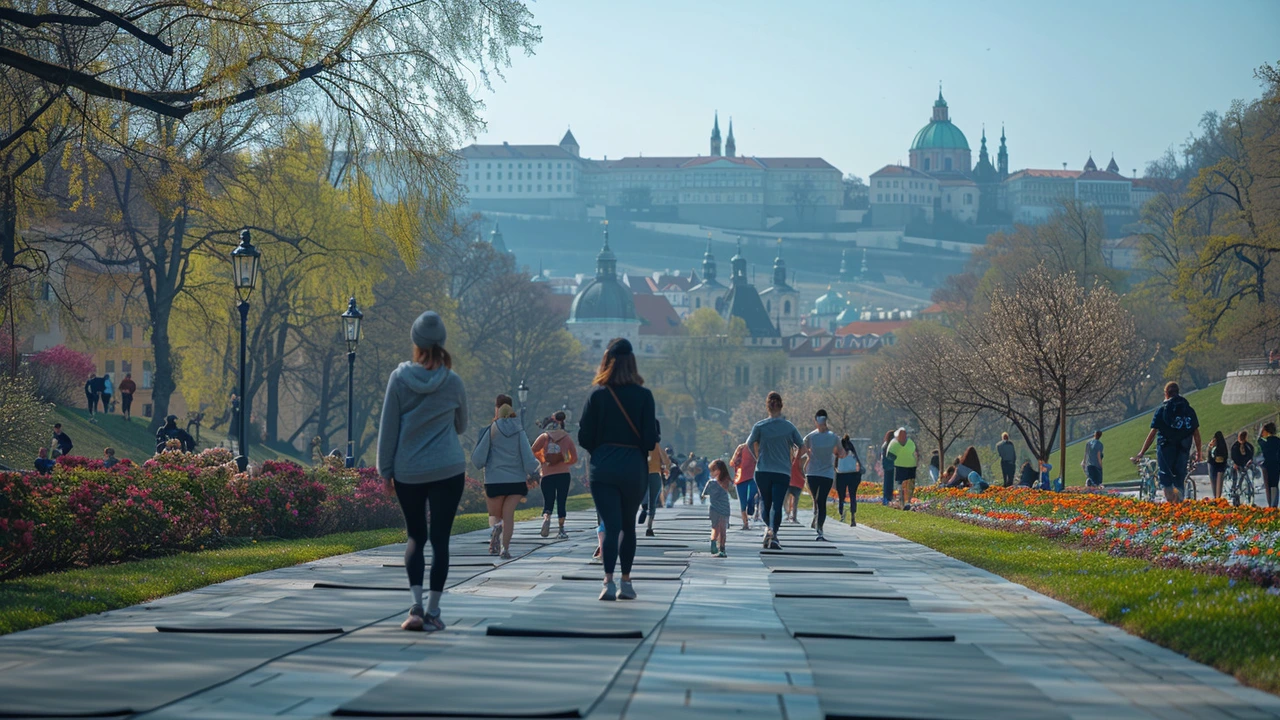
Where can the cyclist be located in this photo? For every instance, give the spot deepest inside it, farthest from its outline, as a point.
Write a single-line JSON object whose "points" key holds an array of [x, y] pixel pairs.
{"points": [[1176, 426], [1269, 447], [1241, 459], [1219, 453]]}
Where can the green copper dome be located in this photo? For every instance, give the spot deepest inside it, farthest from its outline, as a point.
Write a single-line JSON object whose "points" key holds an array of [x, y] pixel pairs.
{"points": [[940, 135]]}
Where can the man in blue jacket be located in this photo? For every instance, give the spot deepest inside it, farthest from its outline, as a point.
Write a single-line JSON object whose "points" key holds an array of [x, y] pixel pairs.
{"points": [[1175, 427]]}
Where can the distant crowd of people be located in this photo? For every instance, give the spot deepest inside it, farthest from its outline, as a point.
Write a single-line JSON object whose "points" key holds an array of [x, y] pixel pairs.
{"points": [[101, 391]]}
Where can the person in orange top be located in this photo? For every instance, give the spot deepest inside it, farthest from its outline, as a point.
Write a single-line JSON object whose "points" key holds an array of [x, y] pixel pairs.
{"points": [[556, 453], [744, 463], [658, 465], [797, 484]]}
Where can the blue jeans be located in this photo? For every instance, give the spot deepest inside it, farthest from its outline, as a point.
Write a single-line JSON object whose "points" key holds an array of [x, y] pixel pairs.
{"points": [[773, 493], [888, 483], [1095, 475], [1171, 462], [747, 492]]}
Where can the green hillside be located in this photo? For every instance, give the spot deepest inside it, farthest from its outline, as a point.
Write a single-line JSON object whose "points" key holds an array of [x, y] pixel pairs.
{"points": [[1123, 441], [130, 438]]}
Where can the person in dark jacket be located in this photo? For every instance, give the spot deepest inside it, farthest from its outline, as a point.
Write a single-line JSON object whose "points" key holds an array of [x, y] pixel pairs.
{"points": [[127, 388], [1269, 449], [171, 431], [61, 440], [618, 426], [1176, 426], [44, 465], [1027, 476], [92, 388], [1008, 458]]}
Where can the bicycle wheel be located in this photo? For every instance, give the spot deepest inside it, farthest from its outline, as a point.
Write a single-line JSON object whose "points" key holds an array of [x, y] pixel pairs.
{"points": [[1191, 488], [1252, 478]]}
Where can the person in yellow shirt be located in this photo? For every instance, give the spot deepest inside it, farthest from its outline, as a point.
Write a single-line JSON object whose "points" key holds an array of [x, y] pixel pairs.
{"points": [[905, 460]]}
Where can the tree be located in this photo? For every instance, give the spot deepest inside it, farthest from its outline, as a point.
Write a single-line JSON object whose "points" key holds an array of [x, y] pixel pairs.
{"points": [[803, 195], [24, 422], [857, 196], [918, 377], [1070, 241], [177, 89], [1047, 350], [701, 360]]}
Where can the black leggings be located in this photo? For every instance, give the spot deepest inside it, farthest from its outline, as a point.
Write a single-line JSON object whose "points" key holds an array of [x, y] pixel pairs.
{"points": [[126, 402], [443, 496], [555, 493], [848, 483], [773, 488], [617, 502], [820, 489]]}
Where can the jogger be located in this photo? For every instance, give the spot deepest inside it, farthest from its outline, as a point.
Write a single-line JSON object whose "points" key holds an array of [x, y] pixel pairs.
{"points": [[771, 442]]}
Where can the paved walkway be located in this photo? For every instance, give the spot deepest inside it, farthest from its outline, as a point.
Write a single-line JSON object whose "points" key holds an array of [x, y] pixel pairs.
{"points": [[867, 625]]}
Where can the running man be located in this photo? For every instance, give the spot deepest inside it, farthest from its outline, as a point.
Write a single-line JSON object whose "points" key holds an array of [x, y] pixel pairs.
{"points": [[1175, 426]]}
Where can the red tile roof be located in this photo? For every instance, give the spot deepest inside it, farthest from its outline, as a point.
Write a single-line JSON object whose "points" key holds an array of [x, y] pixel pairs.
{"points": [[641, 284], [872, 327], [1060, 174], [1102, 175], [795, 163], [656, 315], [516, 152], [900, 170], [648, 163]]}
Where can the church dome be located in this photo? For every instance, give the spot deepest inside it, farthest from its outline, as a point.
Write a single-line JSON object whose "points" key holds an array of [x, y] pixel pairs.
{"points": [[829, 303], [940, 133], [605, 298], [602, 300]]}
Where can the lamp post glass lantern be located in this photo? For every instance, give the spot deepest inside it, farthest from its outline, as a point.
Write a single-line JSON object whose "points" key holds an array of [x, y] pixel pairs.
{"points": [[351, 333], [244, 267]]}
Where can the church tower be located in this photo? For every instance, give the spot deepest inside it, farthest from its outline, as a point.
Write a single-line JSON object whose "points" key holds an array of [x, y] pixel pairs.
{"points": [[730, 148], [781, 300], [710, 292], [1002, 158], [715, 136]]}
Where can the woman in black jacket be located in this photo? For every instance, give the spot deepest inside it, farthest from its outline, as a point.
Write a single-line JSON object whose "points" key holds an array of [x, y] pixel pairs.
{"points": [[618, 426]]}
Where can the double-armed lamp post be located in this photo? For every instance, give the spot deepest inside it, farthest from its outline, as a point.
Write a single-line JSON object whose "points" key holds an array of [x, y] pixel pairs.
{"points": [[351, 332], [244, 266]]}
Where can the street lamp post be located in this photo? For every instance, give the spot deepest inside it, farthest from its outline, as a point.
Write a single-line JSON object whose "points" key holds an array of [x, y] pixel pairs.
{"points": [[244, 267], [522, 392], [351, 331]]}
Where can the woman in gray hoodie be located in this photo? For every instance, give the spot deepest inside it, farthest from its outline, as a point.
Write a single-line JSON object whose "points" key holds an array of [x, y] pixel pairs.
{"points": [[504, 454], [420, 459]]}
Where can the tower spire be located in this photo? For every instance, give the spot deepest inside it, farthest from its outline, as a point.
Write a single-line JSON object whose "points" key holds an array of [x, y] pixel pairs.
{"points": [[715, 136], [1002, 157], [730, 147], [708, 263], [606, 261]]}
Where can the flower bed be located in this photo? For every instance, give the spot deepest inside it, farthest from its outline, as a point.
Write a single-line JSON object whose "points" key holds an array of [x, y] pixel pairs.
{"points": [[85, 514], [1206, 535]]}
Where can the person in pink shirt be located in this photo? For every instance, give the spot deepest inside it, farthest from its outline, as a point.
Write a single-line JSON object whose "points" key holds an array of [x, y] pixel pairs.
{"points": [[744, 465], [556, 453]]}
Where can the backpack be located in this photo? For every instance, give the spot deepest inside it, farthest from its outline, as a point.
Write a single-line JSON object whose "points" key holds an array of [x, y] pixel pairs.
{"points": [[551, 453]]}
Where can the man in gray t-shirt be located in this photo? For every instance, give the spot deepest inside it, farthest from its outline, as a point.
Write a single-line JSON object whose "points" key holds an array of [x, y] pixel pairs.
{"points": [[822, 448], [1093, 460]]}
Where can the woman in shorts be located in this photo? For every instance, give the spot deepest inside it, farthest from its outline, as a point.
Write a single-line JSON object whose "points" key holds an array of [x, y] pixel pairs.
{"points": [[503, 452]]}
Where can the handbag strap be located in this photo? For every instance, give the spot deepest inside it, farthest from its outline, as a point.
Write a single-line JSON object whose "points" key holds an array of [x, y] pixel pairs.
{"points": [[624, 413]]}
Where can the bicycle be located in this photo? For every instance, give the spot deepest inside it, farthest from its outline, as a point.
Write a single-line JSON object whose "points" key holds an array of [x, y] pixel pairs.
{"points": [[1244, 482], [1189, 484], [1148, 485]]}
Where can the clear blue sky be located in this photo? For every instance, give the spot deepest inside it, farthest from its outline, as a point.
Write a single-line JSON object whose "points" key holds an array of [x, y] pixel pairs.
{"points": [[853, 81]]}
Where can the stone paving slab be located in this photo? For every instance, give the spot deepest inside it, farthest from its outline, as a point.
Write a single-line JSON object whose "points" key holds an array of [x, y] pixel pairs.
{"points": [[714, 640]]}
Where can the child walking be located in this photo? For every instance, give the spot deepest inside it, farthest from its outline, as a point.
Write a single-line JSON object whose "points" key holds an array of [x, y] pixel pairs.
{"points": [[717, 490]]}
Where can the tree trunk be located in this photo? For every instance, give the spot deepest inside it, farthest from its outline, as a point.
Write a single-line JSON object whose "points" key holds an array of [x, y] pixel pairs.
{"points": [[322, 412], [275, 369], [1062, 435], [162, 382]]}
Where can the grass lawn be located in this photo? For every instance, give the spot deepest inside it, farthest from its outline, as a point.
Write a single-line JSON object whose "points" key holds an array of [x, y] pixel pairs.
{"points": [[1231, 626], [131, 438], [1121, 442], [42, 599]]}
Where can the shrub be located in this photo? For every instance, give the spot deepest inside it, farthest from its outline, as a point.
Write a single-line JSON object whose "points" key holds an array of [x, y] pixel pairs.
{"points": [[59, 373], [84, 514]]}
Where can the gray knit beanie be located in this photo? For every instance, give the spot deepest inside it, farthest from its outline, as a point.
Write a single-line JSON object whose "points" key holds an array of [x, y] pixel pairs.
{"points": [[428, 330]]}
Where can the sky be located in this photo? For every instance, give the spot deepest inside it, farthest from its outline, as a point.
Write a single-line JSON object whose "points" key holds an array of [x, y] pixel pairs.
{"points": [[852, 82]]}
